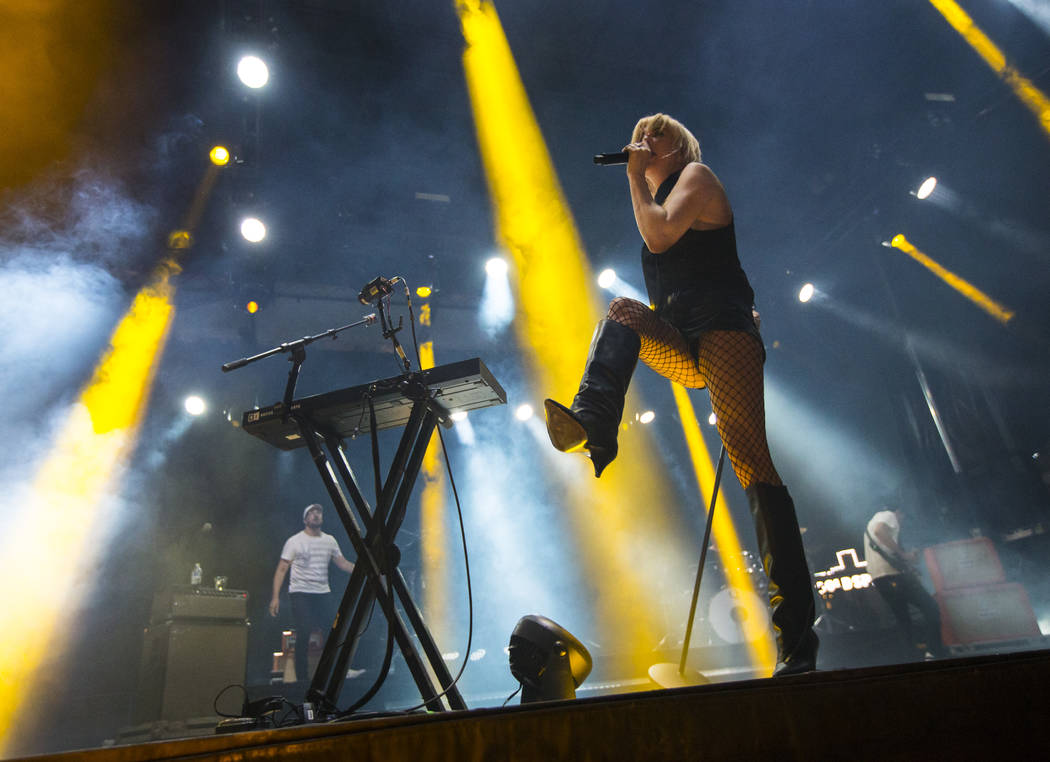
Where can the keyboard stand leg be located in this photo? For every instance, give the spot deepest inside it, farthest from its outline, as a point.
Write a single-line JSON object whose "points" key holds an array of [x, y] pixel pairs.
{"points": [[370, 581]]}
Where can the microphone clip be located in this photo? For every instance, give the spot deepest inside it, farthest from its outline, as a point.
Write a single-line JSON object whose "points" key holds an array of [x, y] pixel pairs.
{"points": [[376, 289]]}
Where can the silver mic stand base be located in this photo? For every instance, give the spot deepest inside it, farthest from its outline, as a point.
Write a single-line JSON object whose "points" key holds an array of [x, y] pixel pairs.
{"points": [[666, 675]]}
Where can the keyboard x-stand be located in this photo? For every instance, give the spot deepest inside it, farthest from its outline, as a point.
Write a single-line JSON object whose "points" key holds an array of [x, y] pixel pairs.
{"points": [[419, 401]]}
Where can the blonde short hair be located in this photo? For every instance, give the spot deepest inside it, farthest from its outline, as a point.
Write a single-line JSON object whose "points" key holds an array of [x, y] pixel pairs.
{"points": [[660, 124]]}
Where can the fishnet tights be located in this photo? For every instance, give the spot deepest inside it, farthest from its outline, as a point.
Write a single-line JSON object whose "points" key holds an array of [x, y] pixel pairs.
{"points": [[729, 364]]}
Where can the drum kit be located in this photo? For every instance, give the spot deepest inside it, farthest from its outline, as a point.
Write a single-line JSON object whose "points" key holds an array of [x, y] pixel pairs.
{"points": [[732, 615]]}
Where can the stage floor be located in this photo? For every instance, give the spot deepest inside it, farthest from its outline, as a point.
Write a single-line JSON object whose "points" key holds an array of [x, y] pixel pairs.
{"points": [[969, 708]]}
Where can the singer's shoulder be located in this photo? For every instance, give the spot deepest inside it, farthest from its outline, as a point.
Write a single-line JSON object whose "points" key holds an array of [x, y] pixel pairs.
{"points": [[698, 167], [699, 175]]}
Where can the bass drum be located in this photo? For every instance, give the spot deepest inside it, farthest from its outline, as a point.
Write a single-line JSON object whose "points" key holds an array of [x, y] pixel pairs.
{"points": [[738, 616]]}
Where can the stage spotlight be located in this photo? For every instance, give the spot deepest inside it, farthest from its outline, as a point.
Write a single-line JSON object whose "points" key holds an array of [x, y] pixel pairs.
{"points": [[926, 188], [253, 229], [524, 412], [253, 72], [219, 156], [424, 291], [647, 417], [806, 293], [712, 419], [194, 405], [180, 239], [464, 431], [252, 307], [614, 284], [496, 266], [547, 660], [459, 415], [496, 310]]}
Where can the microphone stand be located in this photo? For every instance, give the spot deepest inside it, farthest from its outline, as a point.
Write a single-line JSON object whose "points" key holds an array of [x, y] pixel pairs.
{"points": [[666, 674], [389, 332], [297, 349], [412, 385]]}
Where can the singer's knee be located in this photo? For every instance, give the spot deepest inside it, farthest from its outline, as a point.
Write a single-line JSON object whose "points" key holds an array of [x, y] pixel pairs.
{"points": [[626, 311]]}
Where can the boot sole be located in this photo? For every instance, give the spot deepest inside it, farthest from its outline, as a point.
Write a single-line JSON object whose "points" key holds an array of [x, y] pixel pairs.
{"points": [[567, 434]]}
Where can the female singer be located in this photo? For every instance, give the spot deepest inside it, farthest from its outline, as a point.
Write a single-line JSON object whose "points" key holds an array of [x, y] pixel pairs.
{"points": [[700, 332]]}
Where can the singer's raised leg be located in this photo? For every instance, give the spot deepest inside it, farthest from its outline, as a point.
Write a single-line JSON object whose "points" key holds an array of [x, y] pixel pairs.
{"points": [[663, 349]]}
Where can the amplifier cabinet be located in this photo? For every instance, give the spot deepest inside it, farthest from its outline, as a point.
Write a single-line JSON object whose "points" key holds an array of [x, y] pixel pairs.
{"points": [[199, 603], [185, 664], [966, 563], [986, 614]]}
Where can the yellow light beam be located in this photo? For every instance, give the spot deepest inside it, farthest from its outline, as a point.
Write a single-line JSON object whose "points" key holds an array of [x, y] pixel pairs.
{"points": [[75, 485], [971, 292], [1030, 95], [533, 220], [763, 654], [201, 196], [65, 503], [624, 534], [432, 528]]}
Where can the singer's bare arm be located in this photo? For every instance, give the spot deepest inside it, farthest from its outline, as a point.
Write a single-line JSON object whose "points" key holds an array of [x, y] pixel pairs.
{"points": [[698, 200]]}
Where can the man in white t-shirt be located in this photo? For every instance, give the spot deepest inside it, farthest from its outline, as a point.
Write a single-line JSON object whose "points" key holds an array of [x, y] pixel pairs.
{"points": [[308, 554], [892, 571]]}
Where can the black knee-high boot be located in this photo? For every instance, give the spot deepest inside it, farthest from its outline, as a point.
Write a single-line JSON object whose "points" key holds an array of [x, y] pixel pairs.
{"points": [[790, 584], [594, 418]]}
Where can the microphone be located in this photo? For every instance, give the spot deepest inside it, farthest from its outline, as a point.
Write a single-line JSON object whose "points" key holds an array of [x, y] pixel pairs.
{"points": [[376, 289], [609, 159]]}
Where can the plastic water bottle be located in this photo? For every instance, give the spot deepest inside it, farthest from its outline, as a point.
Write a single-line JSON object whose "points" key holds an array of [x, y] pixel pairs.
{"points": [[195, 575]]}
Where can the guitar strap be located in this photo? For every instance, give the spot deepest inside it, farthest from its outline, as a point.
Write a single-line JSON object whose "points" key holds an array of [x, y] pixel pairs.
{"points": [[893, 561]]}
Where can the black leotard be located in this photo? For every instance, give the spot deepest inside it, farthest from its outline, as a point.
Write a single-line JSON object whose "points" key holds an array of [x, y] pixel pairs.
{"points": [[698, 285]]}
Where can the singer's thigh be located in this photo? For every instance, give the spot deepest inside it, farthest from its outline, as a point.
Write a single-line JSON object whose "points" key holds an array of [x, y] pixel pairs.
{"points": [[731, 361], [663, 347]]}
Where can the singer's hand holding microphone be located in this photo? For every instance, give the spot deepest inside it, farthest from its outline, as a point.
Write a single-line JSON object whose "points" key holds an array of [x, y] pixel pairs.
{"points": [[624, 156]]}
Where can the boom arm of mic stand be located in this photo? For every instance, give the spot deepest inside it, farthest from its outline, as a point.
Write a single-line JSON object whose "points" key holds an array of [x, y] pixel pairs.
{"points": [[291, 346]]}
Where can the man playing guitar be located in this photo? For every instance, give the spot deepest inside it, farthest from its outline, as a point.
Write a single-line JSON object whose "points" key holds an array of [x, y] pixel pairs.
{"points": [[893, 573]]}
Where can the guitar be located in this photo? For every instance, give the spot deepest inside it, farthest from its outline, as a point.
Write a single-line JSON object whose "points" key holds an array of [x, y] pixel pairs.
{"points": [[901, 563]]}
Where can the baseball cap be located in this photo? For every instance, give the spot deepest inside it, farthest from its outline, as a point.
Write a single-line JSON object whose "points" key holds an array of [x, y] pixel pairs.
{"points": [[310, 507]]}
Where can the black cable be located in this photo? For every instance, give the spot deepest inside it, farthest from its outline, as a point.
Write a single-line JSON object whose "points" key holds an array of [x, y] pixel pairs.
{"points": [[412, 322], [375, 452], [384, 670], [516, 692], [466, 559], [283, 722], [364, 629], [466, 564], [215, 701], [462, 528], [399, 354], [361, 418]]}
